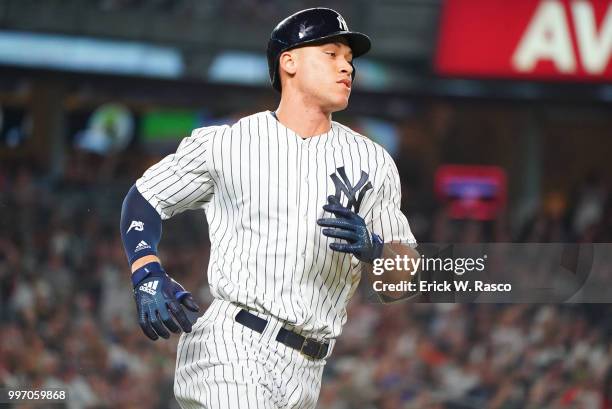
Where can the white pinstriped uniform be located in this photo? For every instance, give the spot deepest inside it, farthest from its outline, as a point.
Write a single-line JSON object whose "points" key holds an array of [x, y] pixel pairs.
{"points": [[263, 188]]}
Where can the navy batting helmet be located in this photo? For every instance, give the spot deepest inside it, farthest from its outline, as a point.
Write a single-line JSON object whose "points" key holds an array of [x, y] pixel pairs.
{"points": [[307, 27]]}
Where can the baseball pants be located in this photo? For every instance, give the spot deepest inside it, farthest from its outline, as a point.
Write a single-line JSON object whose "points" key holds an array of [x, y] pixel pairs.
{"points": [[222, 364]]}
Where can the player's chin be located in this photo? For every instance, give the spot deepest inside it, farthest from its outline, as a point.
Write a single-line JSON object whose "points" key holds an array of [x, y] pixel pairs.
{"points": [[340, 102]]}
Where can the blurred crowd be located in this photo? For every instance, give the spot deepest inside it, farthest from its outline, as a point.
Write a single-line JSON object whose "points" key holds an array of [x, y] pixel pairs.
{"points": [[67, 318], [460, 356], [260, 10]]}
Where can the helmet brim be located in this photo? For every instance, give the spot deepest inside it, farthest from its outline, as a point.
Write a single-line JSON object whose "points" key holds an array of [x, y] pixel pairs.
{"points": [[359, 42]]}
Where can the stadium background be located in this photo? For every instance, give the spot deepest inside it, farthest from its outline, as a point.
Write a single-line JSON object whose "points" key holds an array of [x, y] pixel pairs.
{"points": [[94, 91]]}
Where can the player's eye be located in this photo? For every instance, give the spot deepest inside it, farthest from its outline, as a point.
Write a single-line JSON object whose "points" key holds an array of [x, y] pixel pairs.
{"points": [[330, 53]]}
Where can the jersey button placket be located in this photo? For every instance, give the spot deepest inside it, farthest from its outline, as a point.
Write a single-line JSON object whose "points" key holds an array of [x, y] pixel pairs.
{"points": [[303, 204]]}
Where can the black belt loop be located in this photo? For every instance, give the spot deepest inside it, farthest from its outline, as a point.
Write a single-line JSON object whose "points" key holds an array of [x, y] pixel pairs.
{"points": [[308, 347]]}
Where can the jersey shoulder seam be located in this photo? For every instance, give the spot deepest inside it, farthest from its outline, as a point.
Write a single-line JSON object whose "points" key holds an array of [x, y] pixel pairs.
{"points": [[213, 129], [236, 125]]}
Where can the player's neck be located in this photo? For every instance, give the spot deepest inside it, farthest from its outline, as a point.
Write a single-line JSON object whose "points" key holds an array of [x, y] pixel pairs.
{"points": [[303, 119]]}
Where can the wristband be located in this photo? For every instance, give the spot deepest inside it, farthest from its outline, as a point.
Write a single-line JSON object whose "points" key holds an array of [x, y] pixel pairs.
{"points": [[140, 274]]}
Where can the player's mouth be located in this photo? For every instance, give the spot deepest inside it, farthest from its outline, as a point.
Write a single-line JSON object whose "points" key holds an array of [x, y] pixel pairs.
{"points": [[346, 82]]}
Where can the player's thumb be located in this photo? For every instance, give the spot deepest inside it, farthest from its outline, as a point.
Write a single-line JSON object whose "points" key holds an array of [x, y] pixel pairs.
{"points": [[334, 200], [186, 300]]}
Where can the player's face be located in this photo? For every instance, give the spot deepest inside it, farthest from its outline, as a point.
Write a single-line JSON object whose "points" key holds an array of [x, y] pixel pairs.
{"points": [[324, 74]]}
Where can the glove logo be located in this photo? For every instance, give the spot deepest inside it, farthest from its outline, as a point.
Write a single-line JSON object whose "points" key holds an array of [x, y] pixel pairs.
{"points": [[150, 287], [355, 193]]}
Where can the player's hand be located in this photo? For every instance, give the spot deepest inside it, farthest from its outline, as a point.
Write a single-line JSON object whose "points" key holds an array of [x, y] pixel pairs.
{"points": [[351, 227], [160, 301]]}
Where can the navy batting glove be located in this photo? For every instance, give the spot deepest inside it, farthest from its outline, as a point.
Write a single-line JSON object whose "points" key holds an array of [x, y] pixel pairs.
{"points": [[159, 299], [351, 227]]}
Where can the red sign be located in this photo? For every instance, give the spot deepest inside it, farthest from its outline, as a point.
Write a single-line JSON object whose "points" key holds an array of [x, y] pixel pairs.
{"points": [[526, 39], [471, 192]]}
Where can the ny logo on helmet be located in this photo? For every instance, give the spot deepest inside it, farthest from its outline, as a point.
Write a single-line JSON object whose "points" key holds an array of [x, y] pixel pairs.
{"points": [[343, 25], [354, 194]]}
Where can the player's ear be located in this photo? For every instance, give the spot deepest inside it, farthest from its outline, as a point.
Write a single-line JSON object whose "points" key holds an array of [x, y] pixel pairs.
{"points": [[288, 62]]}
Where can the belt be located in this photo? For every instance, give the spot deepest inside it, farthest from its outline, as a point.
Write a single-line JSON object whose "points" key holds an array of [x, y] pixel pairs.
{"points": [[309, 347]]}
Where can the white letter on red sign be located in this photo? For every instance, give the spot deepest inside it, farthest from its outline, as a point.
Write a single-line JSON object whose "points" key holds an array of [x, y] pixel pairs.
{"points": [[594, 50], [547, 38]]}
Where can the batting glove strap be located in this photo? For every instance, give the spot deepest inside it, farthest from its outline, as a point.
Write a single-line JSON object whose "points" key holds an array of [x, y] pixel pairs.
{"points": [[141, 273], [377, 243]]}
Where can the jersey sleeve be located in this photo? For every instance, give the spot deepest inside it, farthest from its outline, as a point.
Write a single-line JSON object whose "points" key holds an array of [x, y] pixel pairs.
{"points": [[387, 220], [181, 180]]}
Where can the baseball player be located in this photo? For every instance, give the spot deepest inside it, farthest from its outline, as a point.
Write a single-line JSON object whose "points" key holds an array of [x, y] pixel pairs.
{"points": [[297, 205]]}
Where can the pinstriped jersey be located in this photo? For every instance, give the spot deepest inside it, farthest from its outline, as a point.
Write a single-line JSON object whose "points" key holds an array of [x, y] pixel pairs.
{"points": [[263, 188]]}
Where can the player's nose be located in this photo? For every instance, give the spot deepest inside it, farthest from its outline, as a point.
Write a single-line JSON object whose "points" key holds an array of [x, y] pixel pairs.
{"points": [[346, 66]]}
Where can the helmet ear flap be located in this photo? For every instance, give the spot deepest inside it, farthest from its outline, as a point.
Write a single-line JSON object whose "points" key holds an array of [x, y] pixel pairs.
{"points": [[275, 76], [275, 48], [276, 82]]}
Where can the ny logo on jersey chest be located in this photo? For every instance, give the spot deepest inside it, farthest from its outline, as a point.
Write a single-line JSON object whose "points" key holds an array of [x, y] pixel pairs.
{"points": [[354, 194]]}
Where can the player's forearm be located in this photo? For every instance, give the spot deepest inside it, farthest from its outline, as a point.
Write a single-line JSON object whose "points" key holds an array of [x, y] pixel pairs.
{"points": [[398, 273]]}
